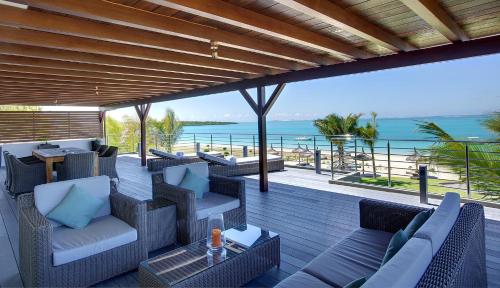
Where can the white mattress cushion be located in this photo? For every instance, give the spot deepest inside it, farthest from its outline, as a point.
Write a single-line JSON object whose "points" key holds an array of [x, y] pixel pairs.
{"points": [[165, 154], [255, 159], [215, 159], [439, 225], [48, 196], [102, 234], [173, 175], [213, 203], [406, 267]]}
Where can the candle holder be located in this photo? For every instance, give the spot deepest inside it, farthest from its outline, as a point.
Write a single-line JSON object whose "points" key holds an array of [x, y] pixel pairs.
{"points": [[215, 234]]}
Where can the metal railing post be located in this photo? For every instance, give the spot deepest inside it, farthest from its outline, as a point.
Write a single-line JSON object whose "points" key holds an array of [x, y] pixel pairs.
{"points": [[211, 143], [331, 158], [317, 161], [467, 169], [253, 145], [194, 142], [314, 142], [423, 182], [245, 151], [389, 184], [231, 144], [281, 146], [355, 154]]}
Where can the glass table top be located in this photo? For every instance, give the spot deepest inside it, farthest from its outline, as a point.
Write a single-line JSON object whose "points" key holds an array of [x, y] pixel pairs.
{"points": [[184, 262]]}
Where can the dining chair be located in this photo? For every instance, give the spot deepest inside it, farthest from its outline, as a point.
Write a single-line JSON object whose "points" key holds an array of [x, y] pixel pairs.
{"points": [[75, 166]]}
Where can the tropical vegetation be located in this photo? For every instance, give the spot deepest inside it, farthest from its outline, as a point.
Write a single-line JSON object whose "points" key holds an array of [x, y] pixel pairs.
{"points": [[369, 135], [484, 160]]}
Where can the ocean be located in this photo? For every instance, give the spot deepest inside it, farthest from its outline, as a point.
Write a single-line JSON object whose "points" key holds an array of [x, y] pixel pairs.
{"points": [[460, 127]]}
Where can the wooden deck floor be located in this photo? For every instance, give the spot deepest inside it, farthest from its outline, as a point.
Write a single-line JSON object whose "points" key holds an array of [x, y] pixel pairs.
{"points": [[309, 214]]}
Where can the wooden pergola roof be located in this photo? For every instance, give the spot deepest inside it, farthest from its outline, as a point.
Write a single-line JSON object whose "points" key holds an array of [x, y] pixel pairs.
{"points": [[126, 52]]}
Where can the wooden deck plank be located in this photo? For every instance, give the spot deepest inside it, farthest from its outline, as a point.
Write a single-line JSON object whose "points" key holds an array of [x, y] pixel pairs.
{"points": [[308, 219]]}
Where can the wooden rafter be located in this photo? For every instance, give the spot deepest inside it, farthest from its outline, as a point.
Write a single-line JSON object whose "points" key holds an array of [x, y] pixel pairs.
{"points": [[80, 44], [128, 16], [37, 20], [339, 17], [438, 18], [238, 16], [107, 72], [184, 71]]}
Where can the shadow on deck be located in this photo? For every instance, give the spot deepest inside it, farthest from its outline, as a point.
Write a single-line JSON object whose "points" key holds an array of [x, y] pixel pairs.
{"points": [[308, 220]]}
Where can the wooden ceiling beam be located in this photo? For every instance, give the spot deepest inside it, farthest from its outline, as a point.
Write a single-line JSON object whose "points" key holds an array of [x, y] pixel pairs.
{"points": [[184, 71], [57, 64], [339, 17], [56, 83], [244, 18], [19, 67], [9, 87], [19, 83], [93, 81], [80, 44], [132, 17], [37, 20], [435, 15]]}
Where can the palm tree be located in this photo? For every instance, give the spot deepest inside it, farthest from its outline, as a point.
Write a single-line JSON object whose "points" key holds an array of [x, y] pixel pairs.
{"points": [[483, 158], [493, 124], [170, 129], [338, 129], [369, 135]]}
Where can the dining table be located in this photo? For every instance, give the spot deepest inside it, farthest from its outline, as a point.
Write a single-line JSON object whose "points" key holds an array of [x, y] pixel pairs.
{"points": [[56, 155]]}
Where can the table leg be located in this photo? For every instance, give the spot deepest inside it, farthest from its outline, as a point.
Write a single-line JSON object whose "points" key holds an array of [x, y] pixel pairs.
{"points": [[48, 169]]}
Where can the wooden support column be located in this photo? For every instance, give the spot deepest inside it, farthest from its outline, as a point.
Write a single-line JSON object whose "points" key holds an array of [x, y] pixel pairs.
{"points": [[102, 120], [262, 108], [142, 112]]}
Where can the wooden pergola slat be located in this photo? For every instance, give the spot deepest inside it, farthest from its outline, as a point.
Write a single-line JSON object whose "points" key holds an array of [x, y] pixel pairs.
{"points": [[37, 20], [128, 16], [237, 16]]}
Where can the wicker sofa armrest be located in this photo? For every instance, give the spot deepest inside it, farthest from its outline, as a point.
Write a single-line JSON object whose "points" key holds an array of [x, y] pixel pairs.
{"points": [[386, 216], [35, 246], [185, 203], [129, 210], [227, 186]]}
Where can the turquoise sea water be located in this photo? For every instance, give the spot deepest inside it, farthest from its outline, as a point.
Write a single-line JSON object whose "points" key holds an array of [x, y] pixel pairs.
{"points": [[460, 127]]}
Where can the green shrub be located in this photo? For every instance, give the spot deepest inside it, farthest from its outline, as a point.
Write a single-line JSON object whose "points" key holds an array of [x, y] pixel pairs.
{"points": [[206, 150]]}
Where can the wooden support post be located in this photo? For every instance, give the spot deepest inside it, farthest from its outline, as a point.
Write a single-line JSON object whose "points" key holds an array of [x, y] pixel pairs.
{"points": [[261, 108], [142, 112], [102, 120]]}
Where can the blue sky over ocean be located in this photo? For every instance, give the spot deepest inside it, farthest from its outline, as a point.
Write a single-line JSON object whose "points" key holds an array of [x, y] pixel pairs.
{"points": [[462, 87]]}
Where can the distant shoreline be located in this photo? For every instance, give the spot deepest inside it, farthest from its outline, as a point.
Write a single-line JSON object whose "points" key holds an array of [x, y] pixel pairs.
{"points": [[205, 123]]}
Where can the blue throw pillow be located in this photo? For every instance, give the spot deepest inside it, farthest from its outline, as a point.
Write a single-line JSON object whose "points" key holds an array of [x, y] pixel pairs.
{"points": [[356, 283], [76, 209], [196, 183], [417, 222], [398, 240]]}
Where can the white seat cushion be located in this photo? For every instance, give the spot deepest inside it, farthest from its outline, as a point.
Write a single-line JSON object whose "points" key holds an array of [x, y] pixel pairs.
{"points": [[102, 234], [165, 154], [213, 203], [406, 267], [48, 196], [439, 225], [173, 175]]}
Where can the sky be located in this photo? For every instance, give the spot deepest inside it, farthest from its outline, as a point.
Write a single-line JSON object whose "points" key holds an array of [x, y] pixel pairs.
{"points": [[461, 87]]}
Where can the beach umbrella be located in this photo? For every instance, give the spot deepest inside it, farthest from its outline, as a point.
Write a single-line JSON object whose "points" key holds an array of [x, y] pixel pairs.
{"points": [[363, 157], [299, 150], [307, 153], [414, 157], [272, 151]]}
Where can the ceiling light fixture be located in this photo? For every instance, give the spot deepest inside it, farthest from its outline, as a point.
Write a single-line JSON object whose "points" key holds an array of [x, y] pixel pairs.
{"points": [[214, 47]]}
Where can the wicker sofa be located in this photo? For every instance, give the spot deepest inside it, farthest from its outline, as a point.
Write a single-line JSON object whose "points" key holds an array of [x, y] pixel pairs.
{"points": [[226, 196], [52, 255], [447, 251]]}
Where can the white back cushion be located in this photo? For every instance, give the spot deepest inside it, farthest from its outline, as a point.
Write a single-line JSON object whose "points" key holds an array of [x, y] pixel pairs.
{"points": [[48, 196], [406, 267], [439, 225], [173, 175]]}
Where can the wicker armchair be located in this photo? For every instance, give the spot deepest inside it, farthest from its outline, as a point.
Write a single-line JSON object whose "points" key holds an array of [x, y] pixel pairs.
{"points": [[101, 149], [107, 163], [24, 177], [189, 228], [76, 166], [36, 250]]}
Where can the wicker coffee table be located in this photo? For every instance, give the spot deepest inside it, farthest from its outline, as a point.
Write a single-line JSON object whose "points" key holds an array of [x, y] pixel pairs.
{"points": [[189, 266]]}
